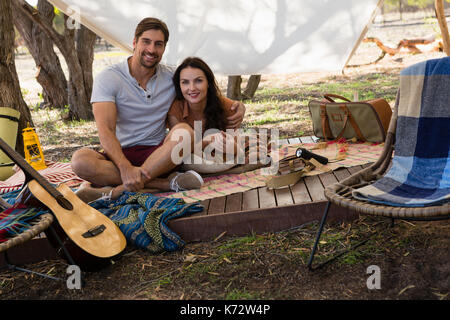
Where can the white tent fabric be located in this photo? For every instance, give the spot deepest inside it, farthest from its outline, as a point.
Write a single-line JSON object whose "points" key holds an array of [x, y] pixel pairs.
{"points": [[237, 37]]}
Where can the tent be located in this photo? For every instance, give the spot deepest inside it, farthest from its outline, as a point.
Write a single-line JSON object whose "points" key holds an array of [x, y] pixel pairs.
{"points": [[238, 37]]}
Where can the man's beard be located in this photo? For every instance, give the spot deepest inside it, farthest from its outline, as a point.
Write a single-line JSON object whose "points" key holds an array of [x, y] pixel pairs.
{"points": [[146, 65]]}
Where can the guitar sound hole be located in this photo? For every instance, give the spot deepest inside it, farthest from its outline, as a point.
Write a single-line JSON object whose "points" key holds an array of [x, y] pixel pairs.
{"points": [[63, 202]]}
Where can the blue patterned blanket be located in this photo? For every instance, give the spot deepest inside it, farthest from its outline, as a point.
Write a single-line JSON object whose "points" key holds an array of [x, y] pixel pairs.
{"points": [[420, 173], [143, 219]]}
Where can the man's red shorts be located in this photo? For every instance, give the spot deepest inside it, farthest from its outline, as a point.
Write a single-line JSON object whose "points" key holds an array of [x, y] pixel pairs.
{"points": [[137, 154]]}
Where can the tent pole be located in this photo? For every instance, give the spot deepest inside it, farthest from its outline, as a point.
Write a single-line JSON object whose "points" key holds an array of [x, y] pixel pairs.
{"points": [[363, 33]]}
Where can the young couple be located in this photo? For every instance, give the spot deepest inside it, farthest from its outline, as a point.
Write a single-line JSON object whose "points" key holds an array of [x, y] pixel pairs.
{"points": [[133, 104]]}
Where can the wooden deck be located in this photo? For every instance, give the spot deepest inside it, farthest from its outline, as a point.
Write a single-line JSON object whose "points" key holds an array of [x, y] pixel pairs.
{"points": [[264, 210], [255, 211]]}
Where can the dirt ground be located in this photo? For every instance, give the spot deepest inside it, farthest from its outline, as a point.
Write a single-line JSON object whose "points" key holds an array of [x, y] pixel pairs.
{"points": [[412, 257]]}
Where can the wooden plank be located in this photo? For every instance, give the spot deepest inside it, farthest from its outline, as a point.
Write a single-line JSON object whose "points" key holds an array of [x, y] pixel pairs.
{"points": [[266, 198], [205, 204], [250, 200], [294, 140], [233, 202], [217, 205], [300, 192], [315, 188], [306, 139], [341, 174], [354, 169], [35, 250], [283, 196], [327, 179], [256, 221]]}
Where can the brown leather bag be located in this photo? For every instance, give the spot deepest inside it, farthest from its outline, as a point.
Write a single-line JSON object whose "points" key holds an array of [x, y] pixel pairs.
{"points": [[365, 120]]}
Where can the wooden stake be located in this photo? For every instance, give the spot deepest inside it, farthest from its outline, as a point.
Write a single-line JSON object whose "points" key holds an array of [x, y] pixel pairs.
{"points": [[440, 15]]}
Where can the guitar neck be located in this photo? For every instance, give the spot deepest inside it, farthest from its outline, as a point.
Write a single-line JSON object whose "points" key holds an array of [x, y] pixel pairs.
{"points": [[29, 171]]}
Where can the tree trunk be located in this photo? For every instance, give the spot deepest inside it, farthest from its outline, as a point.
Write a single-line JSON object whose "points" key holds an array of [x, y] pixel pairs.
{"points": [[440, 15], [79, 85], [50, 74], [10, 94], [234, 87], [252, 85], [79, 104], [85, 49]]}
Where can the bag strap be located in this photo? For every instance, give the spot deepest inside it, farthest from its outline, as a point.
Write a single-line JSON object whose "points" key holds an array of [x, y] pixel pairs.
{"points": [[285, 180], [326, 130], [279, 181], [329, 97], [349, 118]]}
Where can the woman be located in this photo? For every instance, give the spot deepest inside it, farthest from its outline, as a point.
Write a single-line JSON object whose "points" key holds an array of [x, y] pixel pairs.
{"points": [[198, 98]]}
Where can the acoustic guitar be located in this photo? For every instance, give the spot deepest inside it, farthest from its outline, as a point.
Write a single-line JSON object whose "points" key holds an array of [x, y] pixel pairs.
{"points": [[80, 234]]}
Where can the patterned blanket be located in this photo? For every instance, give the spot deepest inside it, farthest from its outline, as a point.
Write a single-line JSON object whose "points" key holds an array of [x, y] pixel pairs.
{"points": [[56, 172], [16, 219], [341, 154], [420, 173], [143, 219]]}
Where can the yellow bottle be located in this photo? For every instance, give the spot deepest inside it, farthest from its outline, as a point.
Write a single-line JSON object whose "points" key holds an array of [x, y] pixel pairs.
{"points": [[32, 147]]}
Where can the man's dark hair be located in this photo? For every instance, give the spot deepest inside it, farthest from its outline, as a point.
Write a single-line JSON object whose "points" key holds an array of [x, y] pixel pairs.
{"points": [[151, 24]]}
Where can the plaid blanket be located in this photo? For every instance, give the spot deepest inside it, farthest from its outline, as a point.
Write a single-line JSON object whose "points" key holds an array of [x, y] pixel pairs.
{"points": [[420, 173], [143, 219]]}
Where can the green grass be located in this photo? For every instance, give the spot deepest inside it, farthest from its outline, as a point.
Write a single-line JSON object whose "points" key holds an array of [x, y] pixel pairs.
{"points": [[287, 108], [237, 294]]}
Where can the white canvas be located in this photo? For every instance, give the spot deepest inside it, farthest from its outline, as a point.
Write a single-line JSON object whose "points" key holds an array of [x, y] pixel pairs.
{"points": [[237, 37]]}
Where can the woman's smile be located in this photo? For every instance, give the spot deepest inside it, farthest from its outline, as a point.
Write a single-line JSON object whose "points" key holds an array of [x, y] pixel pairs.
{"points": [[194, 85]]}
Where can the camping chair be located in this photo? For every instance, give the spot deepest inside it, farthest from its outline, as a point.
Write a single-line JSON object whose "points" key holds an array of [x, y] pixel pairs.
{"points": [[394, 186], [37, 225]]}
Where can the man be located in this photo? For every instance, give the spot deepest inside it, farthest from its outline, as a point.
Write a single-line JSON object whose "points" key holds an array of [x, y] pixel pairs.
{"points": [[130, 102]]}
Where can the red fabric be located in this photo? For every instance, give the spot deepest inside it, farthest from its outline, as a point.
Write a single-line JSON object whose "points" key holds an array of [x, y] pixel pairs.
{"points": [[137, 154], [56, 172], [10, 214]]}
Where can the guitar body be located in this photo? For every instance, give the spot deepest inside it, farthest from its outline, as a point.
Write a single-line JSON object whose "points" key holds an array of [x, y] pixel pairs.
{"points": [[89, 236], [81, 234]]}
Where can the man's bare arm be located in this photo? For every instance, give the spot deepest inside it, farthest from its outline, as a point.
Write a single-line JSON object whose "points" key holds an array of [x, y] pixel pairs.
{"points": [[105, 114], [234, 121]]}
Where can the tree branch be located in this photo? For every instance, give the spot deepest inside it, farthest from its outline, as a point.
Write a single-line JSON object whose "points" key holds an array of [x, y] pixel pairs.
{"points": [[36, 17]]}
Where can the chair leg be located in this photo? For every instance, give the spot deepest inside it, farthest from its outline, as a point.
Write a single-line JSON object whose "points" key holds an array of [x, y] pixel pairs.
{"points": [[14, 267], [66, 252], [319, 233], [392, 222], [63, 247]]}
